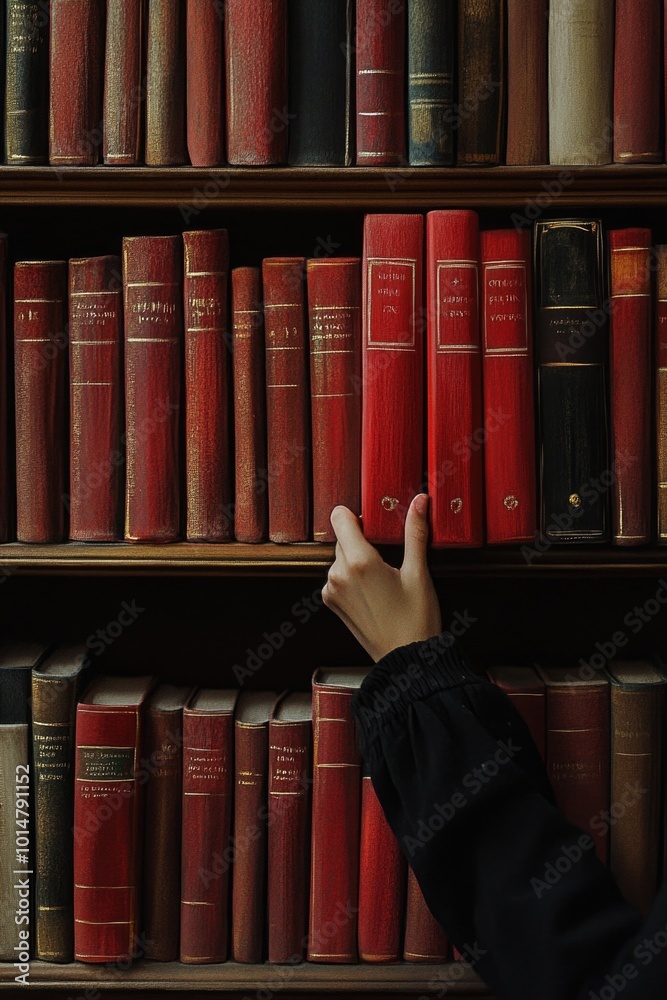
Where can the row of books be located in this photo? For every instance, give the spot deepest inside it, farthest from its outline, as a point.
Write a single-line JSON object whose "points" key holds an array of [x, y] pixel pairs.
{"points": [[284, 81]]}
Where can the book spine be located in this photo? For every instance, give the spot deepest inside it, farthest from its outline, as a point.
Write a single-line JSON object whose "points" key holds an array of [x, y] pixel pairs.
{"points": [[208, 794], [661, 392], [251, 512], [334, 308], [207, 417], [27, 81], [431, 45], [287, 399], [75, 73], [380, 71], [393, 353], [630, 378], [6, 479], [509, 421], [481, 83], [95, 332], [257, 115], [455, 426], [637, 82], [205, 73], [152, 272], [381, 883], [40, 354], [14, 770], [165, 84], [527, 92], [581, 66], [334, 864], [425, 941], [530, 702], [124, 87]]}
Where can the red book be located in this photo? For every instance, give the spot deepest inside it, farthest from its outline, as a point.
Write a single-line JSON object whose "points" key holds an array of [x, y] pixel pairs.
{"points": [[637, 82], [208, 795], [290, 740], [509, 421], [165, 84], [334, 310], [455, 422], [425, 941], [152, 274], [108, 819], [630, 356], [123, 85], [256, 60], [96, 457], [251, 511], [75, 69], [393, 373], [334, 855], [381, 883], [287, 399], [205, 82], [527, 95], [661, 391], [40, 358], [527, 693], [207, 415], [380, 99], [5, 503]]}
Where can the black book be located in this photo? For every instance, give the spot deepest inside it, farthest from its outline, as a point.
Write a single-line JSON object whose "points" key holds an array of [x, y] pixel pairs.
{"points": [[571, 346], [320, 82], [27, 80], [431, 53], [478, 114]]}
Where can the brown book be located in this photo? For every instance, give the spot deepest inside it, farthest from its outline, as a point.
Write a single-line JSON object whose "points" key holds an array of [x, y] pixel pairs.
{"points": [[165, 84], [6, 483], [526, 691], [425, 941], [527, 93], [661, 391], [75, 82], [481, 82], [123, 86]]}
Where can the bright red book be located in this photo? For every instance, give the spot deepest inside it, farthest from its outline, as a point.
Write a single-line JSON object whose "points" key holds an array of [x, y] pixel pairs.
{"points": [[527, 693], [123, 87], [630, 379], [287, 399], [256, 60], [455, 420], [509, 420], [334, 310], [290, 747], [5, 503], [75, 82], [381, 883], [96, 456], [251, 511], [425, 941], [209, 515], [40, 360], [108, 819], [334, 853], [205, 74], [206, 853], [165, 84], [637, 82], [661, 391], [152, 282], [393, 373], [380, 98]]}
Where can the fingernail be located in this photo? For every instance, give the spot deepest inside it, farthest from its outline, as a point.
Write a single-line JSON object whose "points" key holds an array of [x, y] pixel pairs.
{"points": [[421, 503]]}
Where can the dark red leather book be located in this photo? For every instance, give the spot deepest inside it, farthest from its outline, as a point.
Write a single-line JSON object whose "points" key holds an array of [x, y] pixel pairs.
{"points": [[256, 94], [455, 420], [152, 276], [527, 692], [251, 510], [207, 396], [205, 82], [108, 819], [334, 853], [381, 883], [637, 82], [165, 84], [287, 399], [393, 373], [290, 747], [251, 754], [123, 85], [75, 78], [425, 941], [208, 796], [380, 102], [509, 405], [334, 310], [527, 94], [40, 361], [661, 391], [6, 485], [630, 380], [96, 457], [577, 754]]}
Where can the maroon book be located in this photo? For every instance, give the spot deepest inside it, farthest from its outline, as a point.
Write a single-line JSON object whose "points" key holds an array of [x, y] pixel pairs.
{"points": [[381, 883], [75, 91], [425, 941], [637, 82], [5, 482], [527, 693], [380, 98], [165, 84], [205, 74], [527, 95], [123, 86]]}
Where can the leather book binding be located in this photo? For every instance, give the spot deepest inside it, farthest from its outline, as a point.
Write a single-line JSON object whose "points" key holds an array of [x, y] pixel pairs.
{"points": [[27, 83], [124, 96], [431, 62], [527, 88], [165, 84], [481, 82], [661, 391], [205, 77], [425, 941], [381, 883], [638, 77], [525, 689], [7, 490], [75, 82], [380, 72]]}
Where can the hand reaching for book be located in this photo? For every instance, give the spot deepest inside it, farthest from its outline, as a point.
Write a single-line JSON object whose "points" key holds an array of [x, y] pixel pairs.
{"points": [[382, 606]]}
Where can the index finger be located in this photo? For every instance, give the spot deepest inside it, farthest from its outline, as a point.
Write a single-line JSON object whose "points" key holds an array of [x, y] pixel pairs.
{"points": [[350, 538]]}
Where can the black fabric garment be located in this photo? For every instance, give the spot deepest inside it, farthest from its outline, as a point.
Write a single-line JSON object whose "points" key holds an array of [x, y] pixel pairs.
{"points": [[466, 794]]}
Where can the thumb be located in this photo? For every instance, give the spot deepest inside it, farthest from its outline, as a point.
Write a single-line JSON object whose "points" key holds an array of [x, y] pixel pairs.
{"points": [[416, 536]]}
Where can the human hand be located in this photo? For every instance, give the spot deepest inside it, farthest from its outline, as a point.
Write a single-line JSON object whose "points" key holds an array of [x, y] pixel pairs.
{"points": [[382, 606]]}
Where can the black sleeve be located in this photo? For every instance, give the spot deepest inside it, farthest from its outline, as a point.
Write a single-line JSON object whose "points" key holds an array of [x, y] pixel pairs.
{"points": [[518, 889]]}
